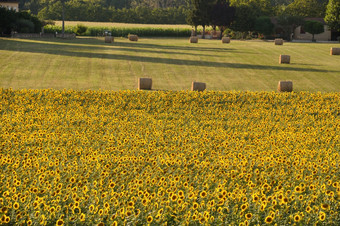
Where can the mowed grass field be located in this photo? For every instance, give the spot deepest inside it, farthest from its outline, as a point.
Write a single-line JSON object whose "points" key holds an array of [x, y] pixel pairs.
{"points": [[89, 63]]}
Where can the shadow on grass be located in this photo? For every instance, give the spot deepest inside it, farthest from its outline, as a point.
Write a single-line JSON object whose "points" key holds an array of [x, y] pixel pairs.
{"points": [[47, 45], [33, 47]]}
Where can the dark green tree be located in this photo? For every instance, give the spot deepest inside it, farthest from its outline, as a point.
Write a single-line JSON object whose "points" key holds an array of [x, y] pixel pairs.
{"points": [[306, 8], [245, 19], [263, 25], [222, 15], [193, 15], [332, 17], [313, 27], [199, 13], [7, 21], [22, 22], [288, 23]]}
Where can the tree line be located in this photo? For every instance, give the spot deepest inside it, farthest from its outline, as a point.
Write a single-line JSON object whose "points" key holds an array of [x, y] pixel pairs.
{"points": [[247, 16], [243, 16], [157, 11]]}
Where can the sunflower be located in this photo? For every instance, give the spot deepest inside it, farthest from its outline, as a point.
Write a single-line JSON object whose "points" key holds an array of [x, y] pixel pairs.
{"points": [[297, 189], [145, 202], [91, 208], [322, 216], [16, 205], [297, 218], [149, 219], [76, 210], [72, 180], [82, 217], [268, 220], [106, 205], [59, 222], [4, 210], [249, 216], [203, 194], [112, 185], [195, 205], [325, 206], [174, 197], [244, 207], [137, 212], [160, 211], [202, 220], [128, 213], [3, 219]]}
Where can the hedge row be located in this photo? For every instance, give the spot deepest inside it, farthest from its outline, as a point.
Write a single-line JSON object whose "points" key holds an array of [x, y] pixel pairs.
{"points": [[123, 32]]}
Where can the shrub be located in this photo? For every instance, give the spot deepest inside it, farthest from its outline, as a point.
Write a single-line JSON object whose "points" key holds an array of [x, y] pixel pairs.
{"points": [[25, 26], [80, 29], [264, 26], [313, 27], [22, 22]]}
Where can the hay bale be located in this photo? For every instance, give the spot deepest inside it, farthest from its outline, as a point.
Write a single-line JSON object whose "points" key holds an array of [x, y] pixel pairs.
{"points": [[145, 83], [284, 59], [335, 51], [193, 39], [225, 40], [133, 38], [278, 41], [109, 39], [285, 86], [198, 86]]}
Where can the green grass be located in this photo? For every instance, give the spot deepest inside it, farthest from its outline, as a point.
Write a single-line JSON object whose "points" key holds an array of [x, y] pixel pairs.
{"points": [[89, 63]]}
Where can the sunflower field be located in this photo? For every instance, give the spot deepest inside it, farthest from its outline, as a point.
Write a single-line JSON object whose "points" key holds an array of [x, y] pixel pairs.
{"points": [[169, 157]]}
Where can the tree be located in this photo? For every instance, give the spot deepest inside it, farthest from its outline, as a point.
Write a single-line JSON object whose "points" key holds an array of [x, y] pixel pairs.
{"points": [[306, 8], [332, 17], [289, 23], [245, 19], [222, 15], [261, 7], [193, 17], [199, 14], [263, 25], [7, 21], [313, 27], [22, 22]]}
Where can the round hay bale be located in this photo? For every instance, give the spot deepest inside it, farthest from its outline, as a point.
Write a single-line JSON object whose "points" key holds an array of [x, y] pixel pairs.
{"points": [[109, 39], [335, 51], [278, 41], [285, 86], [133, 38], [144, 83], [284, 59], [225, 40], [193, 39], [198, 86]]}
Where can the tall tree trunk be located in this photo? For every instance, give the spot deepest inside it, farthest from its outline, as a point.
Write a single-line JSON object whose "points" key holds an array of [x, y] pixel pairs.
{"points": [[203, 35], [195, 31], [63, 17], [221, 30]]}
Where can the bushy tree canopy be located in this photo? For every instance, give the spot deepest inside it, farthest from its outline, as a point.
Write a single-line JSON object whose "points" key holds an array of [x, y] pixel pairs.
{"points": [[332, 17], [22, 22], [313, 27]]}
